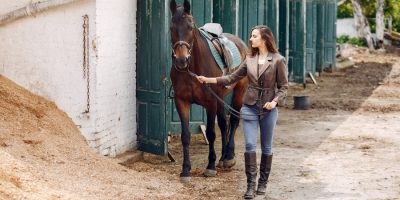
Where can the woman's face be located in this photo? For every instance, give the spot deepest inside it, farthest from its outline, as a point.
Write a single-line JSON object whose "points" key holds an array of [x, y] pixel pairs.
{"points": [[256, 40]]}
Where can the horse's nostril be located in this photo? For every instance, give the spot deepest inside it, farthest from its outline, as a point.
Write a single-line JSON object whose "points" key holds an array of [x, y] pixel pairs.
{"points": [[181, 60], [181, 63]]}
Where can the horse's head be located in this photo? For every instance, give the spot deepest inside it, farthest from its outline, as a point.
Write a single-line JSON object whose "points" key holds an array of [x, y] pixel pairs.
{"points": [[182, 38]]}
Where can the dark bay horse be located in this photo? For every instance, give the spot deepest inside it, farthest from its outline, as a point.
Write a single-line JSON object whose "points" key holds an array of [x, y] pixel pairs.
{"points": [[191, 54]]}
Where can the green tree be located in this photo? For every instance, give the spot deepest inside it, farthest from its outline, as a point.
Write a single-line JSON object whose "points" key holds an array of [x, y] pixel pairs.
{"points": [[391, 9]]}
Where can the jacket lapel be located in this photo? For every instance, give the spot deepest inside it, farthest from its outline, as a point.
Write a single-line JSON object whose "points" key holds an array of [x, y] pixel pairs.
{"points": [[265, 65], [252, 66]]}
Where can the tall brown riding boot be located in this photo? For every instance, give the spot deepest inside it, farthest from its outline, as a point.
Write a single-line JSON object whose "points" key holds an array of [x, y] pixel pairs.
{"points": [[265, 169], [250, 160]]}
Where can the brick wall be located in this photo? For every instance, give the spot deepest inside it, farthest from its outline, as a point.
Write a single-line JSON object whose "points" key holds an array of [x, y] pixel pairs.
{"points": [[115, 85]]}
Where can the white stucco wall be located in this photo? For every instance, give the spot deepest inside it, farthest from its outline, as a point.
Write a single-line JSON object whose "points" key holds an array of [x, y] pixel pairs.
{"points": [[44, 54], [346, 27]]}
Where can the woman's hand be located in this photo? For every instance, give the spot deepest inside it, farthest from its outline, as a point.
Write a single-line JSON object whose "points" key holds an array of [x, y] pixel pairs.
{"points": [[203, 79], [270, 105]]}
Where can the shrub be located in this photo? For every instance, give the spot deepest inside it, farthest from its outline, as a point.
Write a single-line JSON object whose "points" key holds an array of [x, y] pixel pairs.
{"points": [[357, 41], [342, 39]]}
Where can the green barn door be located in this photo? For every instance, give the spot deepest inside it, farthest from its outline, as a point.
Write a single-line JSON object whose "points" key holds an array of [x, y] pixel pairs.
{"points": [[283, 41], [151, 67], [250, 15], [272, 20], [321, 14], [202, 13], [257, 12], [330, 34], [311, 35], [224, 13], [326, 34], [296, 41]]}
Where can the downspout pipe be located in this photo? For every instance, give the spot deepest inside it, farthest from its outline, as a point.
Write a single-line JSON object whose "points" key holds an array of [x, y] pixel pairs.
{"points": [[287, 31], [32, 9]]}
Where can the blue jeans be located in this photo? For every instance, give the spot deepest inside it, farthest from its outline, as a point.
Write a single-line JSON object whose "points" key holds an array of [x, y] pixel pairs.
{"points": [[251, 123]]}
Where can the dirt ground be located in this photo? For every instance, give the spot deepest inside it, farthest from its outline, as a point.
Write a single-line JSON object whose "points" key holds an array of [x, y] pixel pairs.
{"points": [[345, 147]]}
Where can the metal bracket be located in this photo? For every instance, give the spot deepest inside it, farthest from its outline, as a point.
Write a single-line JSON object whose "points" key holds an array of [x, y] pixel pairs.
{"points": [[312, 78], [171, 158], [203, 130]]}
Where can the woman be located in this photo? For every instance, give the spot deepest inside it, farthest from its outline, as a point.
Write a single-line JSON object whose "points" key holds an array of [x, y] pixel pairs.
{"points": [[267, 73]]}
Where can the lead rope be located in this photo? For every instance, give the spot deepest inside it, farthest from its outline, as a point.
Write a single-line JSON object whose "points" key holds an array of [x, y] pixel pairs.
{"points": [[228, 107]]}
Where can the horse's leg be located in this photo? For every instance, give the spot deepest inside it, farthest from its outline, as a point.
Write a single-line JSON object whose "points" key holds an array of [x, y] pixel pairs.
{"points": [[222, 126], [183, 111], [210, 133], [229, 160], [237, 102]]}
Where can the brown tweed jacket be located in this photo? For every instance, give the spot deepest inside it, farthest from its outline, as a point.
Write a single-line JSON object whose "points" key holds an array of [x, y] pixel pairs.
{"points": [[272, 78]]}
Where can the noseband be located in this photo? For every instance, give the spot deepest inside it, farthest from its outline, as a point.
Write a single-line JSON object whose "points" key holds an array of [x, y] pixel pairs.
{"points": [[188, 58]]}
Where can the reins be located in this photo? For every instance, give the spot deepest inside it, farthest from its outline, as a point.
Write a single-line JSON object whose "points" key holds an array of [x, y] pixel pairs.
{"points": [[230, 109], [227, 106]]}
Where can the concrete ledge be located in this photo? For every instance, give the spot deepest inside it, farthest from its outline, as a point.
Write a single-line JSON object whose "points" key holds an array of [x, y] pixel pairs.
{"points": [[342, 63], [129, 157]]}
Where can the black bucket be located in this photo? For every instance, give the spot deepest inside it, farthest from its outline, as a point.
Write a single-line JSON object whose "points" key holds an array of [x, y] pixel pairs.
{"points": [[301, 102]]}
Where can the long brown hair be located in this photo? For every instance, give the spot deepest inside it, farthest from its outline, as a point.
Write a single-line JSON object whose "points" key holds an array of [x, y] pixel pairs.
{"points": [[266, 34]]}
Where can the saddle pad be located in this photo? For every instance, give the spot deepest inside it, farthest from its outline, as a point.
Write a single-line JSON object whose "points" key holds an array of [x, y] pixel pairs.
{"points": [[230, 45]]}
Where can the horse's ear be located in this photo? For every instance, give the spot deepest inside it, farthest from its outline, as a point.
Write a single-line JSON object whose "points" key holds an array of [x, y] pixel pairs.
{"points": [[186, 6], [172, 6]]}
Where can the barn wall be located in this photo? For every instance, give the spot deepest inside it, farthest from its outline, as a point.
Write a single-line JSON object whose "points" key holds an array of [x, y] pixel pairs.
{"points": [[116, 85], [44, 53]]}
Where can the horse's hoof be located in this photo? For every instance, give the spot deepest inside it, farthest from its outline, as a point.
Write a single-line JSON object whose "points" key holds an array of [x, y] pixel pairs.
{"points": [[229, 163], [220, 164], [185, 179], [210, 173]]}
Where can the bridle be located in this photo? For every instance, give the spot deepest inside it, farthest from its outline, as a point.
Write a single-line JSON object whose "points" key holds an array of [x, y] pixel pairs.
{"points": [[188, 58]]}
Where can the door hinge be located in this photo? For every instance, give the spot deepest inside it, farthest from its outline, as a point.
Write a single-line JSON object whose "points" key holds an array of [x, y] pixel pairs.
{"points": [[164, 80]]}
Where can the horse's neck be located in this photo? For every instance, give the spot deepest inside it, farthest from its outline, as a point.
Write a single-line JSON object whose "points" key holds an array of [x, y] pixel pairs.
{"points": [[199, 49], [198, 41]]}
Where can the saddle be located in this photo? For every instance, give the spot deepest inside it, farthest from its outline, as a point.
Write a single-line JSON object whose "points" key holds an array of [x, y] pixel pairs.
{"points": [[213, 32]]}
